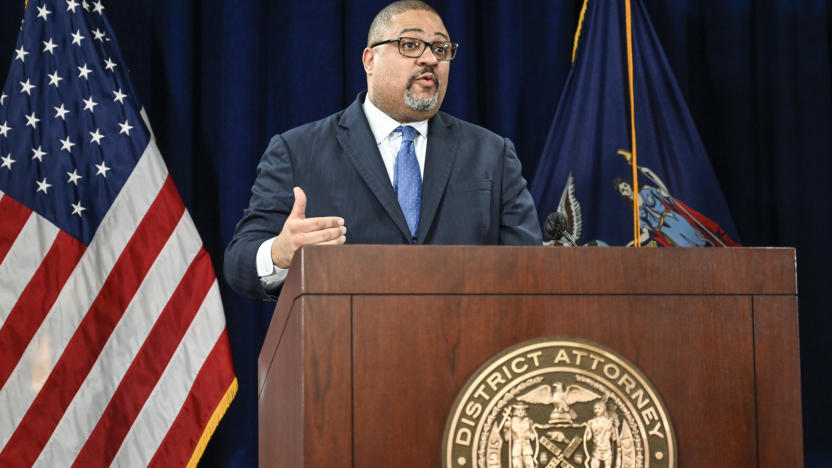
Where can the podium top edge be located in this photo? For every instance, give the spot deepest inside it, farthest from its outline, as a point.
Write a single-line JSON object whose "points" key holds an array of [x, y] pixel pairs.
{"points": [[406, 269]]}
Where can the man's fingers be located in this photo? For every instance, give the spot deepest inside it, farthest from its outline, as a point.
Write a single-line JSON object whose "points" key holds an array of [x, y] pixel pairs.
{"points": [[299, 207], [337, 241], [316, 224], [323, 235]]}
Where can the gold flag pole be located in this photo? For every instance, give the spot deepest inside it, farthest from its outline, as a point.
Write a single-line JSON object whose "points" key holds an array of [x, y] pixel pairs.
{"points": [[634, 161]]}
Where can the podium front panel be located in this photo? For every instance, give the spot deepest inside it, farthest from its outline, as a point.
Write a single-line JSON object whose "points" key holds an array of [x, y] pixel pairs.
{"points": [[412, 354]]}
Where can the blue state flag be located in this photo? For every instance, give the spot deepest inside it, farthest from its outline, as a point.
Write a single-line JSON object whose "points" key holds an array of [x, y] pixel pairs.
{"points": [[586, 167]]}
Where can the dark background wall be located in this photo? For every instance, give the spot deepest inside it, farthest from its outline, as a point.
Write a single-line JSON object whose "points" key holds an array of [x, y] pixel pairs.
{"points": [[218, 78]]}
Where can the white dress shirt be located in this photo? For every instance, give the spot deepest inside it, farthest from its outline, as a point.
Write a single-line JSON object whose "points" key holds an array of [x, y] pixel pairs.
{"points": [[389, 141]]}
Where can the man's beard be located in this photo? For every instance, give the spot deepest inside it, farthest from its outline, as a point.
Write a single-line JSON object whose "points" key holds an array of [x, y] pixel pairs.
{"points": [[421, 104]]}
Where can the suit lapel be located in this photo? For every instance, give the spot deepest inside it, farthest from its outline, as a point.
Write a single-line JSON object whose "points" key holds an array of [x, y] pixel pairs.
{"points": [[439, 159], [356, 139]]}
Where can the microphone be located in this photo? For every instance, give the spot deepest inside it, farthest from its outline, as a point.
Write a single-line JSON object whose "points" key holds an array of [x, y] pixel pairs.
{"points": [[555, 229]]}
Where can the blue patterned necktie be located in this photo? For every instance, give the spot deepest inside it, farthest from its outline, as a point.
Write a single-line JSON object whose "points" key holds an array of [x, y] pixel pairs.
{"points": [[407, 179]]}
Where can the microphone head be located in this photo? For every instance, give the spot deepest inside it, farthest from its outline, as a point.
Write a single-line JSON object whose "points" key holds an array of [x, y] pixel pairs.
{"points": [[555, 225]]}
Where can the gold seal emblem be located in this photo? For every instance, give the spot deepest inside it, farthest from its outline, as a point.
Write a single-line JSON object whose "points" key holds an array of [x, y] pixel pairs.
{"points": [[558, 402]]}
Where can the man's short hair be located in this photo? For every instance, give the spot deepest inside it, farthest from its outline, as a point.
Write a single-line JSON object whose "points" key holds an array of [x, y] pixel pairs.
{"points": [[382, 20]]}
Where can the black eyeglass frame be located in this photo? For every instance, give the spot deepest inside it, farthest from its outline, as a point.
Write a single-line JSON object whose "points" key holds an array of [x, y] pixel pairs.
{"points": [[425, 45]]}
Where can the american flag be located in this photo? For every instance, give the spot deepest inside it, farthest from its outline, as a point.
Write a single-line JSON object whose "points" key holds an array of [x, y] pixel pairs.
{"points": [[113, 349]]}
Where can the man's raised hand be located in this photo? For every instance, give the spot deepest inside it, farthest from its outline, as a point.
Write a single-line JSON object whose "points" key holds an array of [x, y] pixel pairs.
{"points": [[299, 230]]}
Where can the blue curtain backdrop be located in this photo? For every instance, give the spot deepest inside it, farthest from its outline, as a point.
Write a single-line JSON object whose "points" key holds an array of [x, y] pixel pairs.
{"points": [[218, 78]]}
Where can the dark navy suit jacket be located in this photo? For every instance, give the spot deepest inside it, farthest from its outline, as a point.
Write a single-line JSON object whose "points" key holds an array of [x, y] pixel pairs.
{"points": [[472, 191]]}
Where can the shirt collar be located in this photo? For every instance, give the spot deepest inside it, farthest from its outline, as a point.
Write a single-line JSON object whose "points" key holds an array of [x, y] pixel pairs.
{"points": [[383, 125]]}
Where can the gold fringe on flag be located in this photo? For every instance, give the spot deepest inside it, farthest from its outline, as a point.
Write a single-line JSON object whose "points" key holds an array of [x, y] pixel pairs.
{"points": [[219, 412]]}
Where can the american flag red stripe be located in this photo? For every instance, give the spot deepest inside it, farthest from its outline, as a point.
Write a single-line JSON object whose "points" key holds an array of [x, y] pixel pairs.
{"points": [[36, 300], [14, 217], [148, 364], [207, 393]]}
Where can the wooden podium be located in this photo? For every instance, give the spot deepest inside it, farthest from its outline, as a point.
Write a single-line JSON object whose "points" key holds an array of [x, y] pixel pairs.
{"points": [[369, 345]]}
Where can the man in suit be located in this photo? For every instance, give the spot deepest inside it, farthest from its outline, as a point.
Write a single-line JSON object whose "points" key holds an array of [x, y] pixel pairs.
{"points": [[389, 169]]}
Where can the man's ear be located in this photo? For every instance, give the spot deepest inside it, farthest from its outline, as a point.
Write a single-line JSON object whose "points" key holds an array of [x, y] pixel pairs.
{"points": [[368, 59]]}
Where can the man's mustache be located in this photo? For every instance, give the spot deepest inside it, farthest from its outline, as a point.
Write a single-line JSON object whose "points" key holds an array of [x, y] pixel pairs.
{"points": [[421, 72]]}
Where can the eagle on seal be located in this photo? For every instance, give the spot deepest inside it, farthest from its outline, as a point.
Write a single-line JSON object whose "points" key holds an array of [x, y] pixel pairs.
{"points": [[560, 399]]}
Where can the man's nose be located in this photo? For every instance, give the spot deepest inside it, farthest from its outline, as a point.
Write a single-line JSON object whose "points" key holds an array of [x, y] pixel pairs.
{"points": [[427, 58]]}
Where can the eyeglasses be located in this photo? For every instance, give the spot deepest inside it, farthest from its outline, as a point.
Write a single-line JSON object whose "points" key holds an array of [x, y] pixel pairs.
{"points": [[414, 48]]}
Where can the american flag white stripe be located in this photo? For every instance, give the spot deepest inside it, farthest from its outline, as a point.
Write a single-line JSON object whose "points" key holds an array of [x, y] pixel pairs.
{"points": [[91, 400], [24, 258], [83, 286], [162, 407]]}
